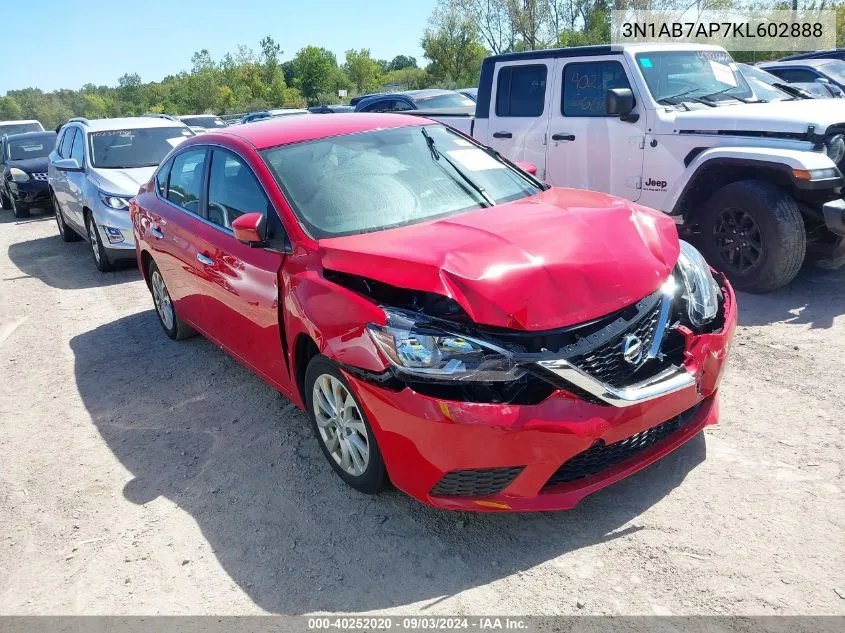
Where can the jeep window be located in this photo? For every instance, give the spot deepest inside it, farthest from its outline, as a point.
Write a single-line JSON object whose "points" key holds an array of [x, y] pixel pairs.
{"points": [[38, 147], [585, 85], [364, 182], [706, 76], [129, 149], [521, 91]]}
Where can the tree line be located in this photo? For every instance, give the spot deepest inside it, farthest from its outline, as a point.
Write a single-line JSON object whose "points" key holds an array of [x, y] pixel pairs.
{"points": [[459, 34]]}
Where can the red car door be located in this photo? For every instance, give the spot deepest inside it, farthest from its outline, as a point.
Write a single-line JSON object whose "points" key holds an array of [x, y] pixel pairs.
{"points": [[242, 293], [170, 221]]}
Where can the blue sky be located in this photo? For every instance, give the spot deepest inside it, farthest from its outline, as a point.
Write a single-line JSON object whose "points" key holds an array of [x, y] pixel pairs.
{"points": [[65, 44]]}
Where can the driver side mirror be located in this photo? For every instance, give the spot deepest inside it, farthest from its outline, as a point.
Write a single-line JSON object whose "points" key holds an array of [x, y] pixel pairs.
{"points": [[524, 165], [620, 102], [68, 164], [249, 228]]}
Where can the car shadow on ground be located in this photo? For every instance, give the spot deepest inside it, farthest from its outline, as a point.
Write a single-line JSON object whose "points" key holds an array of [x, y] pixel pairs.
{"points": [[815, 297], [66, 265], [192, 425]]}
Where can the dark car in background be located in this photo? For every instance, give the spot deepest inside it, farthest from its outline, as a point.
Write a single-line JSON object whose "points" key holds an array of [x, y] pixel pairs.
{"points": [[23, 158], [808, 71], [834, 53], [768, 87], [431, 100], [205, 121], [331, 109]]}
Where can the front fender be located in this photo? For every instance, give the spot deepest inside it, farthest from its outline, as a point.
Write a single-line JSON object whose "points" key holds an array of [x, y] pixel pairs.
{"points": [[782, 161]]}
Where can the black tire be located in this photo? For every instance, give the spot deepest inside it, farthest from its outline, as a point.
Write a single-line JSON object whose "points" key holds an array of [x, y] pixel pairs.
{"points": [[5, 204], [374, 477], [768, 249], [98, 251], [18, 210], [67, 233], [173, 326]]}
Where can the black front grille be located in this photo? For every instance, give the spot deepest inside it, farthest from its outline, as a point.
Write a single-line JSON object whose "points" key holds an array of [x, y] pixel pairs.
{"points": [[601, 456], [480, 482], [607, 363]]}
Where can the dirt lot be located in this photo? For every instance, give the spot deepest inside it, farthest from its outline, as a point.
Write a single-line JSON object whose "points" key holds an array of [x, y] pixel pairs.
{"points": [[142, 476]]}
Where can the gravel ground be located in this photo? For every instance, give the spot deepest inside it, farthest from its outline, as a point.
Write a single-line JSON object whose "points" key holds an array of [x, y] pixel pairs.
{"points": [[145, 476]]}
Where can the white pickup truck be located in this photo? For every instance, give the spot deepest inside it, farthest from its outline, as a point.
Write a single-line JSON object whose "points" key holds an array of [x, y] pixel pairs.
{"points": [[677, 128]]}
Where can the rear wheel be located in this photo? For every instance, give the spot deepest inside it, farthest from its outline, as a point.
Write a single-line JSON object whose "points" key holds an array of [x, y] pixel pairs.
{"points": [[67, 233], [5, 204], [101, 258], [172, 325], [753, 232], [341, 427]]}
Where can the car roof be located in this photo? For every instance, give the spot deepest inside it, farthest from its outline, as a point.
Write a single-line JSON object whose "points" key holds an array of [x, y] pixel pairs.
{"points": [[134, 122], [295, 129], [601, 49], [812, 63], [20, 121]]}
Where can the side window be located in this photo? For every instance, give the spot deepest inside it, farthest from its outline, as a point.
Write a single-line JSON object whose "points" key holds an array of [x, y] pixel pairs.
{"points": [[78, 149], [795, 75], [385, 105], [585, 85], [161, 178], [401, 106], [521, 91], [232, 190], [67, 142], [185, 188]]}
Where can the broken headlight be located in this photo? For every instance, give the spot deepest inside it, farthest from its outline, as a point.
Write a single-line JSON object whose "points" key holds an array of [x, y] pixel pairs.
{"points": [[700, 289], [423, 351]]}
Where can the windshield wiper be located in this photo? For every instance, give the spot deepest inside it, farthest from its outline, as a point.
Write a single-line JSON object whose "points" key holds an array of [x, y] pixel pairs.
{"points": [[710, 96], [436, 155], [795, 93], [672, 100]]}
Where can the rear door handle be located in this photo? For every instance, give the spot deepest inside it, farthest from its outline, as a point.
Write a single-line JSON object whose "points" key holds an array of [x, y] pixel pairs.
{"points": [[156, 233], [563, 137], [205, 259], [502, 135]]}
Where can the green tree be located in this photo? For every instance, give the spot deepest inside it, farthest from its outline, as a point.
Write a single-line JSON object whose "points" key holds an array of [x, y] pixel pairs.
{"points": [[313, 70], [452, 44], [10, 109], [363, 71], [401, 62], [269, 59]]}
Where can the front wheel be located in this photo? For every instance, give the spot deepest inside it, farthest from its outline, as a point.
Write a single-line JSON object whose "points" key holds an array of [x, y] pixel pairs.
{"points": [[753, 232], [101, 258], [18, 210], [343, 432]]}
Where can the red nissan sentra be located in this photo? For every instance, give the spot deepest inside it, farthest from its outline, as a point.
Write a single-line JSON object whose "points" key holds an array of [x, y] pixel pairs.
{"points": [[450, 324]]}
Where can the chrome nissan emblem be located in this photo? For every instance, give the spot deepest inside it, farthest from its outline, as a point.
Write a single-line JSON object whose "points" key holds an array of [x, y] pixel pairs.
{"points": [[632, 349]]}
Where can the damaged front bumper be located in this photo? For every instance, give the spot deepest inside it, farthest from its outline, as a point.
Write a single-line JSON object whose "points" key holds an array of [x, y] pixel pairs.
{"points": [[545, 456]]}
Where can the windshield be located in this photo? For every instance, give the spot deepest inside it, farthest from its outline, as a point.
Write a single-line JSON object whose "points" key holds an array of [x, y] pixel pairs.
{"points": [[762, 84], [25, 148], [675, 77], [204, 121], [20, 128], [358, 183], [129, 149], [455, 100], [835, 70]]}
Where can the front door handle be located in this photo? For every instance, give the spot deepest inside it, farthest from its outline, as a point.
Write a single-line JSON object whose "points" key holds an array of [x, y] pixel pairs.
{"points": [[502, 135], [156, 233], [205, 259], [563, 137]]}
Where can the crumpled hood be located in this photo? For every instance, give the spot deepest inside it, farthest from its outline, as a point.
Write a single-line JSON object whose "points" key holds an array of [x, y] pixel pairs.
{"points": [[779, 116], [555, 259], [123, 182], [30, 165]]}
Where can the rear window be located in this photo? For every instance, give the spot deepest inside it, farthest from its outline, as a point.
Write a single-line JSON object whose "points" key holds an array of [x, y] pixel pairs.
{"points": [[204, 121], [20, 128], [456, 100]]}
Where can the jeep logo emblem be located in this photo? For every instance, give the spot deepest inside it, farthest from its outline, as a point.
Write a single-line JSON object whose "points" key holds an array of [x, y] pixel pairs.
{"points": [[655, 184], [632, 349]]}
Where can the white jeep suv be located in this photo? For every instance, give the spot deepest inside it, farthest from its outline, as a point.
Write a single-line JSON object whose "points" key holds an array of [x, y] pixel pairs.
{"points": [[96, 167]]}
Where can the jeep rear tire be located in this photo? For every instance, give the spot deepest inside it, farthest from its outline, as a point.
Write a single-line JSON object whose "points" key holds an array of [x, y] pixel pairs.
{"points": [[753, 232]]}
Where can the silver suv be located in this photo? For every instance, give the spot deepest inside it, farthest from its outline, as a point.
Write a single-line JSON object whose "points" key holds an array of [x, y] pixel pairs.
{"points": [[96, 168]]}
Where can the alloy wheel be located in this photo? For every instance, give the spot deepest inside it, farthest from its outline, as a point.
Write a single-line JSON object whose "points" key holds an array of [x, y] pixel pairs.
{"points": [[161, 298], [738, 239], [341, 425], [94, 239]]}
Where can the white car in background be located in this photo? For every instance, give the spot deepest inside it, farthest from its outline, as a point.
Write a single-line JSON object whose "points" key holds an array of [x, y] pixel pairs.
{"points": [[20, 127], [96, 168]]}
